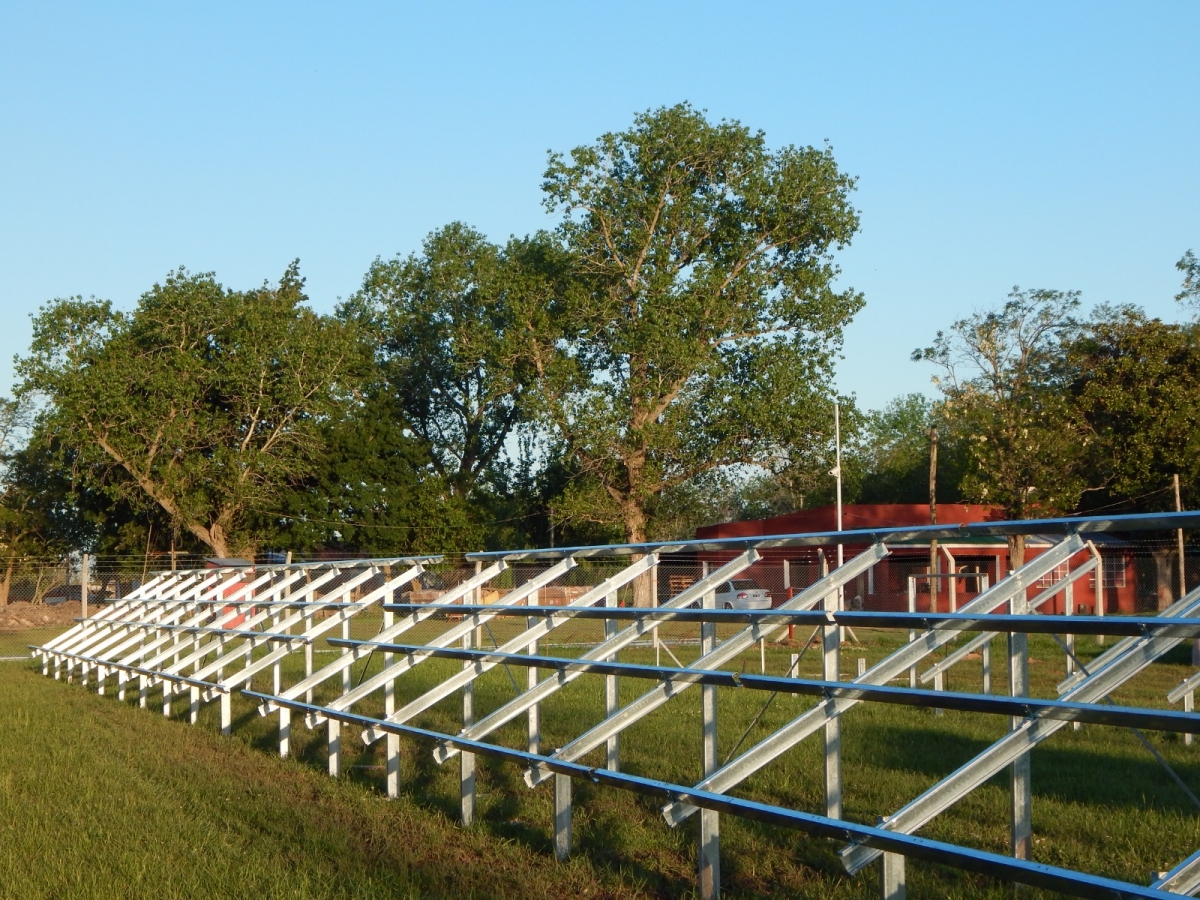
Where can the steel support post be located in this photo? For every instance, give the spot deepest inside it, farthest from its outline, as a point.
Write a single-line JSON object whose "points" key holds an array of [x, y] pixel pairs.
{"points": [[392, 742], [467, 766], [912, 632], [891, 877], [335, 747], [562, 816], [347, 674], [985, 653], [285, 732], [830, 671], [1022, 788], [709, 855], [1069, 639], [226, 713], [534, 732], [308, 658], [612, 746], [1189, 705]]}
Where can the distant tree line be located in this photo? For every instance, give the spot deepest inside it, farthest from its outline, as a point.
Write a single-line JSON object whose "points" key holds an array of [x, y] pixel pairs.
{"points": [[661, 359]]}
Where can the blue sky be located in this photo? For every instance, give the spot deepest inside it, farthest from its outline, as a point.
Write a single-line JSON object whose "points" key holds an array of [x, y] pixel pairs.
{"points": [[1038, 145]]}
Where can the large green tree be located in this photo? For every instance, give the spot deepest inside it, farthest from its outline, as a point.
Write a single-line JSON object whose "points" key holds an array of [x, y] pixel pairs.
{"points": [[1135, 384], [705, 323], [1006, 392], [893, 454], [202, 401], [459, 330]]}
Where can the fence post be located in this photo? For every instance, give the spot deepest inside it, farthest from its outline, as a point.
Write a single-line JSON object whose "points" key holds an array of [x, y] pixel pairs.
{"points": [[709, 857], [84, 578]]}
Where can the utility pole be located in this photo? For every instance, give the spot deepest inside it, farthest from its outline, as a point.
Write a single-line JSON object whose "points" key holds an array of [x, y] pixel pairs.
{"points": [[1179, 538], [933, 544], [84, 577]]}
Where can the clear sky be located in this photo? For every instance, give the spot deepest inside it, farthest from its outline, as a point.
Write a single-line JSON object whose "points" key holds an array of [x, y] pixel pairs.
{"points": [[1040, 145]]}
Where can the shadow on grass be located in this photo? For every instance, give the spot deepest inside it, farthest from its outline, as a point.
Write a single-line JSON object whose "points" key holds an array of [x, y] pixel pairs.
{"points": [[1062, 769]]}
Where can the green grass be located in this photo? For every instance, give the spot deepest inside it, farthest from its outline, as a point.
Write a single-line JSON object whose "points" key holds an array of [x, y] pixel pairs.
{"points": [[128, 803]]}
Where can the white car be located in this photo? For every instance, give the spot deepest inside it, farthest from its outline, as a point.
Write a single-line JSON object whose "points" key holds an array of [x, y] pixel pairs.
{"points": [[743, 593]]}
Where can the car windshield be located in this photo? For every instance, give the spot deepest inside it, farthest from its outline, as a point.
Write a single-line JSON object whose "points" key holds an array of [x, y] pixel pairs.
{"points": [[745, 584]]}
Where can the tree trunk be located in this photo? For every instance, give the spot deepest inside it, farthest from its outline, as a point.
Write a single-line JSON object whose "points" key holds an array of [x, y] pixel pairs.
{"points": [[8, 573], [635, 533], [38, 590], [1016, 551], [1164, 578]]}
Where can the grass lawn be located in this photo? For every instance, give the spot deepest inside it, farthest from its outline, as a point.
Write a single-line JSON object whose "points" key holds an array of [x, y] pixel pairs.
{"points": [[101, 799]]}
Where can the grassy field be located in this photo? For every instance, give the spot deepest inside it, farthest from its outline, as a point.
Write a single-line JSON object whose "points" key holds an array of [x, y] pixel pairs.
{"points": [[101, 799]]}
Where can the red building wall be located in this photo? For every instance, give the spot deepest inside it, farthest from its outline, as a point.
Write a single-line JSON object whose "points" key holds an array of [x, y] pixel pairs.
{"points": [[887, 587]]}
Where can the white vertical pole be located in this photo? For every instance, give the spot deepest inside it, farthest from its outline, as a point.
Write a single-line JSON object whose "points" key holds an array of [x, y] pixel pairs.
{"points": [[613, 744], [467, 764], [709, 861], [912, 632], [1018, 679], [891, 877], [534, 731], [837, 440], [562, 816], [830, 666], [389, 707]]}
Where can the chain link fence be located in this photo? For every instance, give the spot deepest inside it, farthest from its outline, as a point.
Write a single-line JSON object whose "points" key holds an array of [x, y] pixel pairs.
{"points": [[1136, 576]]}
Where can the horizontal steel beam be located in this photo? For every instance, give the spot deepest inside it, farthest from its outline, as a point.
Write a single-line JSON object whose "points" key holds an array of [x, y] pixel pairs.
{"points": [[1021, 707], [1078, 884], [216, 630], [1131, 626]]}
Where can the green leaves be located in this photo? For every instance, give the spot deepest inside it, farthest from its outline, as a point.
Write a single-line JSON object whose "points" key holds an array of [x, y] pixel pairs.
{"points": [[203, 401], [704, 324], [1005, 395], [463, 331]]}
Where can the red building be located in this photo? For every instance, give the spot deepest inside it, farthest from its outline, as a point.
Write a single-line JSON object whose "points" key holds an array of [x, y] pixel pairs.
{"points": [[979, 562]]}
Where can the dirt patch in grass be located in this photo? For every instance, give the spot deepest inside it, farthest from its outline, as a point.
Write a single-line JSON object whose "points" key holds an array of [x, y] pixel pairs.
{"points": [[22, 616]]}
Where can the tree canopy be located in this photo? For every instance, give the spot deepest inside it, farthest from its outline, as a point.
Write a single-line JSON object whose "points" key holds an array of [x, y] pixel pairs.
{"points": [[706, 321], [203, 401], [1004, 388]]}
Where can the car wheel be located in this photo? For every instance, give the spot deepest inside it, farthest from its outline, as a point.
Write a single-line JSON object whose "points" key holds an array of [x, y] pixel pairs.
{"points": [[729, 606]]}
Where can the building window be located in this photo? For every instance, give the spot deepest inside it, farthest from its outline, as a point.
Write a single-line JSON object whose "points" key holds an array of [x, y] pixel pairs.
{"points": [[1055, 575], [1114, 571]]}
